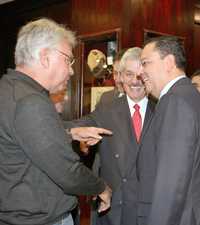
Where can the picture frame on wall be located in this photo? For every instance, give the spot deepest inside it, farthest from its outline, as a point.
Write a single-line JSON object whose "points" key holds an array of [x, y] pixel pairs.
{"points": [[96, 93]]}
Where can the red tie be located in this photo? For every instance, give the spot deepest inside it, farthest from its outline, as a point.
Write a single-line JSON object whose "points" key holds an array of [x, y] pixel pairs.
{"points": [[137, 121]]}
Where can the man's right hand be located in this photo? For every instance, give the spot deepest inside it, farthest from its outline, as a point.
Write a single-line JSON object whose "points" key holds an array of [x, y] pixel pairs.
{"points": [[105, 197]]}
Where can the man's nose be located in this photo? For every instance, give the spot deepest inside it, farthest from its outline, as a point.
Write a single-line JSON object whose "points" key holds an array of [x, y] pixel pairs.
{"points": [[136, 77], [142, 69]]}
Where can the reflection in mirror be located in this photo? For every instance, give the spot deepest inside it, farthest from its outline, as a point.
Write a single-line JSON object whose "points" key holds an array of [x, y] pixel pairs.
{"points": [[95, 53], [96, 61], [101, 65]]}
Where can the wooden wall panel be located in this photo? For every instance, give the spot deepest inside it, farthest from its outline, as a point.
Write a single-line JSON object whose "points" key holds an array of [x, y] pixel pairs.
{"points": [[94, 16], [133, 16], [89, 16], [196, 53], [172, 17]]}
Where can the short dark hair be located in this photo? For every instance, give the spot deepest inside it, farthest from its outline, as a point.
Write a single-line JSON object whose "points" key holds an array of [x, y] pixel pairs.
{"points": [[170, 45], [196, 73]]}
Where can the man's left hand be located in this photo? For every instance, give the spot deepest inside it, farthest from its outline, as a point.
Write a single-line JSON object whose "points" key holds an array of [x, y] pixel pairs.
{"points": [[90, 135]]}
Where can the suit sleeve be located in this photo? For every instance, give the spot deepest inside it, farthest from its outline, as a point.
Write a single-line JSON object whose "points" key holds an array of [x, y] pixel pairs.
{"points": [[91, 120], [175, 128], [43, 139]]}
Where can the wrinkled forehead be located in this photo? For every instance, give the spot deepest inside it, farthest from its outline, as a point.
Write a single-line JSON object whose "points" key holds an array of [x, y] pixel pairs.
{"points": [[64, 46], [132, 65]]}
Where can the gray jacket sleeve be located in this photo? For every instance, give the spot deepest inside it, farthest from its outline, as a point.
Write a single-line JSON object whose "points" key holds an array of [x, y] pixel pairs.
{"points": [[93, 119], [42, 136]]}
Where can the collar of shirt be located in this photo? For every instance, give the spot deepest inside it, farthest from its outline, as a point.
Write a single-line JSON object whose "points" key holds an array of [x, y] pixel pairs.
{"points": [[169, 85], [143, 106], [22, 76]]}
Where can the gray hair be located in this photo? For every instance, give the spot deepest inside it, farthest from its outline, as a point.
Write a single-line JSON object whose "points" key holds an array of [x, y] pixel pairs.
{"points": [[130, 54], [37, 35]]}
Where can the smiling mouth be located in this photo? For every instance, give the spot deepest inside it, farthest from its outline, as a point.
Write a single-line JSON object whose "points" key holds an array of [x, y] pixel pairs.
{"points": [[136, 87]]}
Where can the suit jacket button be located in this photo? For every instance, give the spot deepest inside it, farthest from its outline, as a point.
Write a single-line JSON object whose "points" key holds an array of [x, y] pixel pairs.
{"points": [[116, 155], [124, 180]]}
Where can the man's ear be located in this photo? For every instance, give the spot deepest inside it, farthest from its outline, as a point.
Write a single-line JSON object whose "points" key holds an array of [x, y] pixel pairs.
{"points": [[44, 58], [121, 78], [169, 62]]}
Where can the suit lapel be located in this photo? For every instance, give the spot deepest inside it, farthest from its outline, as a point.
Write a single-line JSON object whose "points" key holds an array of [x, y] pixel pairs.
{"points": [[148, 117], [125, 121], [122, 119], [147, 120]]}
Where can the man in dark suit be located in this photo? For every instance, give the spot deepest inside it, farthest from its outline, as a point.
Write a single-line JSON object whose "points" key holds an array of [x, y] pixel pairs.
{"points": [[175, 136], [118, 152]]}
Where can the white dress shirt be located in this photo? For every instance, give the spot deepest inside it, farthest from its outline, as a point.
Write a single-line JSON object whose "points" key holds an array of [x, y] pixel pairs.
{"points": [[143, 106], [169, 85]]}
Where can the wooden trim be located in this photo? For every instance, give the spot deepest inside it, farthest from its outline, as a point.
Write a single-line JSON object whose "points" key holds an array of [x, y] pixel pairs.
{"points": [[197, 14]]}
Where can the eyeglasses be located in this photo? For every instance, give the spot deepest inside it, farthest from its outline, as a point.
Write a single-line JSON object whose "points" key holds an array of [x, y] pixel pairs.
{"points": [[130, 74], [68, 59]]}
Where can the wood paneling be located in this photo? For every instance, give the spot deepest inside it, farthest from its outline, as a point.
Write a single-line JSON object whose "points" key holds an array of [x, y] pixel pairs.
{"points": [[172, 17], [133, 16], [89, 17], [196, 53], [94, 16], [85, 17]]}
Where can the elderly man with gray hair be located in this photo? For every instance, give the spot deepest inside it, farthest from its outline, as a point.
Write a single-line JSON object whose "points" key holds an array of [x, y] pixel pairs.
{"points": [[40, 174], [127, 116]]}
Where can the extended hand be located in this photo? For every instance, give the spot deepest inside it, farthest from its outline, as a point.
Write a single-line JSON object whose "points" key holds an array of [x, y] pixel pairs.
{"points": [[105, 197], [90, 135]]}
